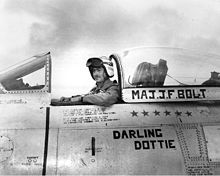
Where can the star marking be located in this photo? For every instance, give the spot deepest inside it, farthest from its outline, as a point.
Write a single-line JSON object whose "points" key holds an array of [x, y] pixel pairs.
{"points": [[134, 113], [167, 113], [157, 113], [178, 113], [145, 113], [188, 113]]}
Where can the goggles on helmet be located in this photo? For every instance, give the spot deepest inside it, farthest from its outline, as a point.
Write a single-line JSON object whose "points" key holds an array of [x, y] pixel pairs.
{"points": [[96, 62]]}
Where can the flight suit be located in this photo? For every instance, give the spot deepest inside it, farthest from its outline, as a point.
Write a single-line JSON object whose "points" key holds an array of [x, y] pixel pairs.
{"points": [[105, 94]]}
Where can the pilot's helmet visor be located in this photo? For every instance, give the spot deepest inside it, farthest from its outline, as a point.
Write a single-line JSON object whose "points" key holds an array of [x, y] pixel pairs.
{"points": [[94, 62]]}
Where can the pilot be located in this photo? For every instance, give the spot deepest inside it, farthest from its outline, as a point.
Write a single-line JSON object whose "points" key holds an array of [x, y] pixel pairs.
{"points": [[106, 92]]}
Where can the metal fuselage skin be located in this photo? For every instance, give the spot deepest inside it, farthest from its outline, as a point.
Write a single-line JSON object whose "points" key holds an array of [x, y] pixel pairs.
{"points": [[149, 138]]}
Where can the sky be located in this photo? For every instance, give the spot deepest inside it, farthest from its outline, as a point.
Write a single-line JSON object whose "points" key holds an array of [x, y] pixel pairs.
{"points": [[74, 30]]}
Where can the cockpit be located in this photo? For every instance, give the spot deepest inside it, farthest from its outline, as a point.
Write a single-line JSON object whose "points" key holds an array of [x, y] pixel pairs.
{"points": [[158, 74]]}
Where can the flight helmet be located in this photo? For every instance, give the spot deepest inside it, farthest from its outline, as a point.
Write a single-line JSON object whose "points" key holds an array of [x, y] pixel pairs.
{"points": [[104, 62]]}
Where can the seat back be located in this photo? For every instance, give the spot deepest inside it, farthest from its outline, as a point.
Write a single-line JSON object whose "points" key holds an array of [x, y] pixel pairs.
{"points": [[147, 74]]}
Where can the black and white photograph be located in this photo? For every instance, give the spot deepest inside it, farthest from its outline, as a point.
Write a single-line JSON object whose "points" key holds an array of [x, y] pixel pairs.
{"points": [[109, 87]]}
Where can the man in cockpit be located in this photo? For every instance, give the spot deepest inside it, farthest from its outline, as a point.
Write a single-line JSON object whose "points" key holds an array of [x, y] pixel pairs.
{"points": [[106, 92]]}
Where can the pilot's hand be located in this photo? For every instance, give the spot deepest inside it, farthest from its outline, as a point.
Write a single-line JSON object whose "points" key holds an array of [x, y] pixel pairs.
{"points": [[64, 99]]}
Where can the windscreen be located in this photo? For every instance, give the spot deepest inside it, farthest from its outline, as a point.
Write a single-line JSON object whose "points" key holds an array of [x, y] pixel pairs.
{"points": [[31, 74], [35, 80]]}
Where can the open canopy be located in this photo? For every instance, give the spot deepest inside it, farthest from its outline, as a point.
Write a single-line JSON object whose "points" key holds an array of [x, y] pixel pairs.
{"points": [[161, 66]]}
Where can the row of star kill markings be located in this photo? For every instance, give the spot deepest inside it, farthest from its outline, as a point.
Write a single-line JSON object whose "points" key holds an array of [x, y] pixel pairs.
{"points": [[158, 113]]}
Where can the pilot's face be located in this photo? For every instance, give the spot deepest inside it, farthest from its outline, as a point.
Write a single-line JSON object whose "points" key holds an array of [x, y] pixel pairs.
{"points": [[99, 74]]}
